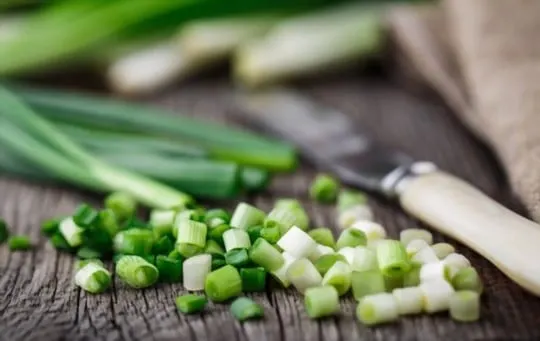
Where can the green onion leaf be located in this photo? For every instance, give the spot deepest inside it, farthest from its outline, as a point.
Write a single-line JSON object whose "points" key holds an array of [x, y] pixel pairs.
{"points": [[244, 309]]}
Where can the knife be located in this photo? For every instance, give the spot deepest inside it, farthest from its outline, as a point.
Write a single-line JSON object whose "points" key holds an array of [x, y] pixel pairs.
{"points": [[328, 139]]}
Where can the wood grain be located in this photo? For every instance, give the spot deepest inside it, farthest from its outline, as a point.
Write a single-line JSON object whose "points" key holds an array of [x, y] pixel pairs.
{"points": [[38, 300]]}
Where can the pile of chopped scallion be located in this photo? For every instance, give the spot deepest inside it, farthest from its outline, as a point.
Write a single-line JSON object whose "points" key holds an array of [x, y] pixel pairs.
{"points": [[226, 255]]}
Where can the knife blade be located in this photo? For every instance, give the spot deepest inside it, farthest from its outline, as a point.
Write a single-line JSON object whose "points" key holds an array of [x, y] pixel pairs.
{"points": [[329, 139]]}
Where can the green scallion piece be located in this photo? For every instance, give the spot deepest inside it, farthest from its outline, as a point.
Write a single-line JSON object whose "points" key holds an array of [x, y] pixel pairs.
{"points": [[246, 215], [254, 232], [48, 228], [136, 272], [162, 221], [244, 309], [135, 241], [80, 263], [4, 232], [216, 217], [150, 259], [174, 254], [392, 258], [412, 277], [216, 233], [323, 236], [271, 234], [339, 276], [163, 246], [212, 247], [217, 262], [366, 283], [391, 283], [237, 258], [58, 241], [465, 306], [223, 284], [288, 203], [408, 235], [122, 204], [191, 304], [325, 262], [19, 243], [85, 216], [377, 309], [253, 279], [191, 237], [321, 301], [236, 239], [170, 270], [284, 218], [324, 189], [348, 198], [88, 253], [93, 278], [468, 279], [72, 233], [108, 221], [351, 237], [264, 254]]}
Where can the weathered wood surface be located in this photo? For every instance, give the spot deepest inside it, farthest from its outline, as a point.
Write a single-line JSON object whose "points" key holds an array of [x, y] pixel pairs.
{"points": [[38, 300]]}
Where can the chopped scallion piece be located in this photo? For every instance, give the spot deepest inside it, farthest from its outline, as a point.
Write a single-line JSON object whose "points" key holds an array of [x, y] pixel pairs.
{"points": [[425, 255], [108, 222], [415, 245], [348, 217], [244, 309], [442, 249], [321, 301], [122, 204], [19, 243], [324, 189], [71, 232], [254, 232], [288, 203], [174, 254], [253, 279], [434, 271], [93, 278], [223, 284], [236, 239], [437, 295], [48, 228], [58, 241], [303, 275], [377, 309], [408, 235], [213, 248], [136, 272], [456, 262], [163, 246], [339, 276], [271, 234], [323, 236], [412, 278], [80, 263], [162, 219], [325, 262], [85, 216], [365, 283], [465, 306], [218, 262], [246, 215], [191, 232], [392, 258], [216, 217], [467, 279], [196, 270], [135, 241], [371, 229], [191, 304], [265, 255], [4, 232], [237, 257], [283, 218], [297, 242], [409, 300], [348, 198], [351, 237], [280, 274], [360, 258], [170, 270], [88, 253], [320, 251], [216, 233], [391, 283]]}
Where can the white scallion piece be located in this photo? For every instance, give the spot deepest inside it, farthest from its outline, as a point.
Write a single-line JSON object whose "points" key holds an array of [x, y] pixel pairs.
{"points": [[433, 271], [364, 259], [297, 243], [281, 273], [377, 309], [409, 300], [425, 255], [408, 235], [437, 295], [93, 278], [373, 244], [236, 239], [443, 249], [339, 276], [195, 271], [465, 306], [71, 232], [160, 218], [320, 250], [353, 214], [414, 246], [456, 262], [303, 275], [371, 229]]}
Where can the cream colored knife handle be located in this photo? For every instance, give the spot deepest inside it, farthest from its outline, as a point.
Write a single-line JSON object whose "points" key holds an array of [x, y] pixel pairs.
{"points": [[459, 210]]}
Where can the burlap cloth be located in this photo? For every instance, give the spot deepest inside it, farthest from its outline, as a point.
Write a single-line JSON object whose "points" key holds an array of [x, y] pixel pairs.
{"points": [[483, 58]]}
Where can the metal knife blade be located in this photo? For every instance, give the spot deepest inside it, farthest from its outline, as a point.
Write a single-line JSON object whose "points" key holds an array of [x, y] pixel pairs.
{"points": [[326, 137]]}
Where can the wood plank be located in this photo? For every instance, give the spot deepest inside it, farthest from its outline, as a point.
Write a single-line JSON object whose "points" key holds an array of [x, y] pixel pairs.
{"points": [[40, 302]]}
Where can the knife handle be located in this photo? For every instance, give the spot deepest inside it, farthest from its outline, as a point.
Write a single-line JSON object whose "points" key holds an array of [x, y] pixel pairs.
{"points": [[455, 208]]}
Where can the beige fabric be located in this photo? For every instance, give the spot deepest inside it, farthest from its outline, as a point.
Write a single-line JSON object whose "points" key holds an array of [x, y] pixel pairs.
{"points": [[483, 57]]}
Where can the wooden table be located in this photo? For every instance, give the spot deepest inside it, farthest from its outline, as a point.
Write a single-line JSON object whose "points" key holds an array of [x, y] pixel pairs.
{"points": [[38, 300]]}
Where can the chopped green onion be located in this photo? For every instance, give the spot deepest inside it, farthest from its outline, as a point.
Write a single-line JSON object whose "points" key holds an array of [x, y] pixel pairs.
{"points": [[72, 233], [236, 239], [365, 283], [136, 272], [4, 232], [163, 246], [425, 255], [467, 279], [456, 262], [377, 309], [253, 279], [162, 219], [408, 235], [93, 278], [284, 218], [372, 230], [80, 263], [324, 236], [352, 215], [412, 278], [437, 295], [217, 262], [303, 275], [190, 304], [348, 198], [465, 306], [319, 251], [122, 204], [325, 262], [58, 241], [244, 309], [391, 283], [280, 274], [339, 276], [265, 255], [409, 300], [174, 254], [170, 270], [191, 237], [88, 253], [271, 234], [19, 243], [216, 217], [442, 249], [324, 189], [254, 232], [415, 245], [287, 203], [297, 242], [135, 241], [150, 259], [195, 271], [223, 284], [434, 271], [360, 258], [213, 248], [237, 257], [216, 233], [321, 301], [246, 215], [351, 237], [48, 228], [108, 222], [85, 216], [392, 258]]}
